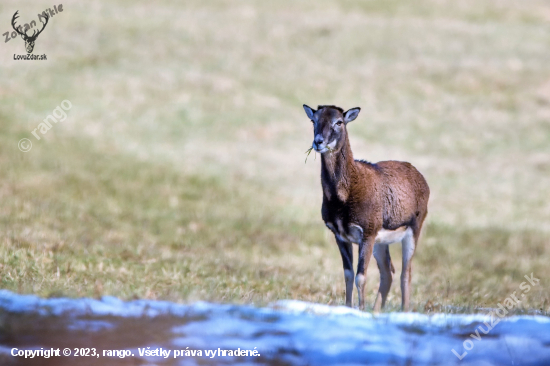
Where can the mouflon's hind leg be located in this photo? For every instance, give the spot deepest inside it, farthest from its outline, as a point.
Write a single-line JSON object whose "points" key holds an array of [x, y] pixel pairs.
{"points": [[346, 250], [365, 252], [408, 245], [382, 255]]}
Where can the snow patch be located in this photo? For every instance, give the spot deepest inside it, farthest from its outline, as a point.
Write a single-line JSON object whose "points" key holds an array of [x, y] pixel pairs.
{"points": [[297, 332]]}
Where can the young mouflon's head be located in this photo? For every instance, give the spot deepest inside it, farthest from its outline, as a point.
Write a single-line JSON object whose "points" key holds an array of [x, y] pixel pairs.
{"points": [[329, 126]]}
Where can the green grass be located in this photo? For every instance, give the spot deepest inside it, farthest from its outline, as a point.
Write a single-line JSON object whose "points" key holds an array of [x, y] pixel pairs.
{"points": [[179, 173]]}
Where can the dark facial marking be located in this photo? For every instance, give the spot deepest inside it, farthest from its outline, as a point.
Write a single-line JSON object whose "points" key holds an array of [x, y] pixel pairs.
{"points": [[329, 124]]}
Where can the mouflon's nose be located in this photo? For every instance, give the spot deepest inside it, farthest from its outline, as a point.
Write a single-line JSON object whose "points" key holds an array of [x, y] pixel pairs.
{"points": [[318, 140]]}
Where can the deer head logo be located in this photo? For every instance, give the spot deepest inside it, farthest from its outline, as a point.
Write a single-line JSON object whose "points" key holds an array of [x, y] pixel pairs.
{"points": [[29, 40]]}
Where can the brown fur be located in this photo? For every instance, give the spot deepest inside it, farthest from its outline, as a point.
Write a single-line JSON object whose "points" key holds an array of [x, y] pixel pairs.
{"points": [[387, 195]]}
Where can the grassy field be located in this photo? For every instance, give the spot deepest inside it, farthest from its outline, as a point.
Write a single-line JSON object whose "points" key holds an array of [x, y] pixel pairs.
{"points": [[179, 172]]}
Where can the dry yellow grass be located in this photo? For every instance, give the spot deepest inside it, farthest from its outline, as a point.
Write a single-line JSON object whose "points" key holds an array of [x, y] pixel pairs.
{"points": [[179, 173]]}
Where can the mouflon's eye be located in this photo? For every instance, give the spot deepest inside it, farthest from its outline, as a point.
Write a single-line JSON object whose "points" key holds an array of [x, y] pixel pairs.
{"points": [[339, 123]]}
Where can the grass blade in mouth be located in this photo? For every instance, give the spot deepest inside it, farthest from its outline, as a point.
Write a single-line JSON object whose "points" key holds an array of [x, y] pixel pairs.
{"points": [[308, 152]]}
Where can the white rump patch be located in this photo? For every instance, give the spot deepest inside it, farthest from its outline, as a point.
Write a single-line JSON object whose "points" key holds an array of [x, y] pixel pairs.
{"points": [[386, 237], [354, 233]]}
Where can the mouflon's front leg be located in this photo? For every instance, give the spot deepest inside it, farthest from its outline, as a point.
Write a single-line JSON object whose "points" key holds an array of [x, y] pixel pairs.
{"points": [[346, 250], [365, 252]]}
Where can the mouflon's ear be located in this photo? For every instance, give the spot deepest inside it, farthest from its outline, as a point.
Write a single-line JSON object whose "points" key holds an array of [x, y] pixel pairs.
{"points": [[351, 114], [309, 112]]}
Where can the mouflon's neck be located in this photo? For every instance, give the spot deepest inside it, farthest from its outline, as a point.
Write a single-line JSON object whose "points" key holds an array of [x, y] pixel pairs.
{"points": [[337, 167]]}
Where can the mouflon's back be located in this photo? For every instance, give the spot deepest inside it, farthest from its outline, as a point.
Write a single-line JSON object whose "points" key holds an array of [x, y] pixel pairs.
{"points": [[404, 194]]}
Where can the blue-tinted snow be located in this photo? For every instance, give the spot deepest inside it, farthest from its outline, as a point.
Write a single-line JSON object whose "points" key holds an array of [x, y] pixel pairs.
{"points": [[300, 333]]}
